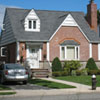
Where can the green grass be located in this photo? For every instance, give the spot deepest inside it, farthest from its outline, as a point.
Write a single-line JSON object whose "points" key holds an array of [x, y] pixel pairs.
{"points": [[50, 84], [80, 79], [7, 93], [2, 87]]}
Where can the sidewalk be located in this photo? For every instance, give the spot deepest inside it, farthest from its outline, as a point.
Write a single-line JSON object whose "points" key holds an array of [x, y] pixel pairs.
{"points": [[77, 85], [80, 88]]}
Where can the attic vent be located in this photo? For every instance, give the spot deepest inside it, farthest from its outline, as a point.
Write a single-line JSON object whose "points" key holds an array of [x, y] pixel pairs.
{"points": [[32, 22]]}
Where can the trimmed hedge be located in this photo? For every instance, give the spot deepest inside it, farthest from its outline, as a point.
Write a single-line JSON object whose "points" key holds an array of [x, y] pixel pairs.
{"points": [[96, 72], [91, 65], [57, 74], [56, 65]]}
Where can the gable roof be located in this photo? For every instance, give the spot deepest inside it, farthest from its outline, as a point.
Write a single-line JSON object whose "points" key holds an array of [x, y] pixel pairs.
{"points": [[50, 21]]}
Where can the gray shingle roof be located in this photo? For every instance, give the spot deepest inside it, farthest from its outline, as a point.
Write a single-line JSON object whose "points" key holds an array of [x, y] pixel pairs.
{"points": [[70, 42], [50, 21]]}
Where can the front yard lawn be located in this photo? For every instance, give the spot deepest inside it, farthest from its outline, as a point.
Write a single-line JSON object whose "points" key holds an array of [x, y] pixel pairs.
{"points": [[50, 84], [7, 93], [2, 87], [80, 79]]}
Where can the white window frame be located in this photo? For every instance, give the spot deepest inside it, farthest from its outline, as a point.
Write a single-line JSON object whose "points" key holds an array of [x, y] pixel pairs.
{"points": [[32, 20], [65, 46], [1, 52]]}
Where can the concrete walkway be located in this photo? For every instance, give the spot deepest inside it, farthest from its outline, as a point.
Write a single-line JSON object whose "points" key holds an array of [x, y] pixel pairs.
{"points": [[80, 88], [77, 85]]}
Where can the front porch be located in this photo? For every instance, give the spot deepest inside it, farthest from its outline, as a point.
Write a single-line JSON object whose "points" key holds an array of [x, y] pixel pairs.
{"points": [[35, 57]]}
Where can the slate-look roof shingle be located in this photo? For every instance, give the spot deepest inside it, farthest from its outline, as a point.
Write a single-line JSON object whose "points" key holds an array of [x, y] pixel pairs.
{"points": [[70, 42], [50, 21]]}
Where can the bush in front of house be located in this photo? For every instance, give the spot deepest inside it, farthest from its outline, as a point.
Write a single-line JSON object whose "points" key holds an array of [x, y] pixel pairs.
{"points": [[91, 65], [78, 72], [56, 74], [96, 72], [73, 73], [56, 65], [71, 65], [84, 72], [59, 73]]}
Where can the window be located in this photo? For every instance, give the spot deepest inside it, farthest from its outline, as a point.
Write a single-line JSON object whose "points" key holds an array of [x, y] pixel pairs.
{"points": [[3, 51], [32, 24], [69, 52]]}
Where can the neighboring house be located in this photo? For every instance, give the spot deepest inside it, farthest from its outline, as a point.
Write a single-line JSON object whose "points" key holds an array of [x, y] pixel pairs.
{"points": [[40, 35]]}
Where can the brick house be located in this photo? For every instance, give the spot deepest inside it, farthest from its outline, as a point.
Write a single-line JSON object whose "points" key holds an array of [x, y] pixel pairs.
{"points": [[41, 35]]}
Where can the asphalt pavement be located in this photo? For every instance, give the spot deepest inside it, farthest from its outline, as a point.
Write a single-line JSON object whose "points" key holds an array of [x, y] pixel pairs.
{"points": [[28, 86], [79, 96]]}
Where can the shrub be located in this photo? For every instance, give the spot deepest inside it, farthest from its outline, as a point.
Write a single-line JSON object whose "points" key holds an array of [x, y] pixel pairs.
{"points": [[56, 74], [78, 72], [73, 73], [98, 72], [64, 73], [56, 65], [91, 65], [71, 65], [91, 72], [84, 72], [59, 73]]}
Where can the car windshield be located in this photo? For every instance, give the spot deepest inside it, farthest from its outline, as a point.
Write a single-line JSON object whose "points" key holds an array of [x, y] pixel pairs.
{"points": [[14, 66]]}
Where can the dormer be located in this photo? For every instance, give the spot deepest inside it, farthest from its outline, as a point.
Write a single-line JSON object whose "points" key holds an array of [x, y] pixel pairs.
{"points": [[32, 22]]}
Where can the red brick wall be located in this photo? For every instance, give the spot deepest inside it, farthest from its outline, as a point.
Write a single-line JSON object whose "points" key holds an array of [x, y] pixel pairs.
{"points": [[69, 33], [95, 51], [44, 51], [11, 54], [22, 50], [92, 16]]}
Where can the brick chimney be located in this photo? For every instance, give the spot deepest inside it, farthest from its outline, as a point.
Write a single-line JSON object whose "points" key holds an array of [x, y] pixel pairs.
{"points": [[92, 15]]}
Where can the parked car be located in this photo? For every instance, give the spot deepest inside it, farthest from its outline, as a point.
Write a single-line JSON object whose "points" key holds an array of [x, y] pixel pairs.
{"points": [[13, 72]]}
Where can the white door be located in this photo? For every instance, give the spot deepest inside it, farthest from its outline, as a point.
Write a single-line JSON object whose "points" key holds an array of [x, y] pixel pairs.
{"points": [[33, 56]]}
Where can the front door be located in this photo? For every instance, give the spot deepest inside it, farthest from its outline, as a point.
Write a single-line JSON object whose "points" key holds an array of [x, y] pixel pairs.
{"points": [[34, 56]]}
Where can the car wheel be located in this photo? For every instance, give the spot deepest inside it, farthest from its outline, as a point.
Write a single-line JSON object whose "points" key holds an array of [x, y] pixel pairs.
{"points": [[24, 82]]}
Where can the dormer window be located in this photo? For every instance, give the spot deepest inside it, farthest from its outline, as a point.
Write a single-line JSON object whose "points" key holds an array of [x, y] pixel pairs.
{"points": [[32, 22]]}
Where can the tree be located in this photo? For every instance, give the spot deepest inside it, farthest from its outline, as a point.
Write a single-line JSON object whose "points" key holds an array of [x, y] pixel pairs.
{"points": [[91, 65], [56, 65]]}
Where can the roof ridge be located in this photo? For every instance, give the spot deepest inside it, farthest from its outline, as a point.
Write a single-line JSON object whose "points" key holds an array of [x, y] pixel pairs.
{"points": [[46, 10]]}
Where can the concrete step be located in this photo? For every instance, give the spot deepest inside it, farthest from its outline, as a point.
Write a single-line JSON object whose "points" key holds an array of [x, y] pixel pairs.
{"points": [[40, 73]]}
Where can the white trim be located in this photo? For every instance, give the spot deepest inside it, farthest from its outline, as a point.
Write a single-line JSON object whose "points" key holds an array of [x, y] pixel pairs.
{"points": [[90, 50], [18, 58], [60, 54], [66, 52], [40, 53], [75, 52], [48, 51], [78, 52], [32, 16], [62, 25], [98, 51], [27, 52], [1, 52]]}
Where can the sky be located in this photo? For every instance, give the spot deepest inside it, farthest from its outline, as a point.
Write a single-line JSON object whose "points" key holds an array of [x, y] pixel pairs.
{"points": [[62, 5], [59, 5]]}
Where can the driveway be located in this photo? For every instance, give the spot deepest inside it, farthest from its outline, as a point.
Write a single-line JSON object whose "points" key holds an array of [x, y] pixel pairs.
{"points": [[28, 86]]}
